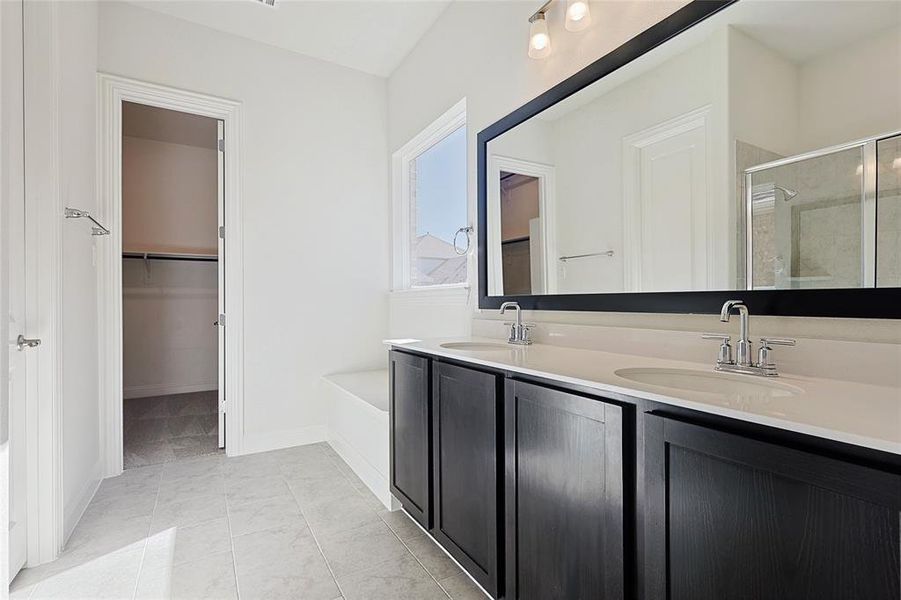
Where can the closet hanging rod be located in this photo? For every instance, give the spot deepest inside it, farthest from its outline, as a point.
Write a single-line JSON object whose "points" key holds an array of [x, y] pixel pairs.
{"points": [[604, 253], [76, 213], [163, 256]]}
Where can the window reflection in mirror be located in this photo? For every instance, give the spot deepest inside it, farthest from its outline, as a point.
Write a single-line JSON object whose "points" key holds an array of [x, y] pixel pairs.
{"points": [[757, 150]]}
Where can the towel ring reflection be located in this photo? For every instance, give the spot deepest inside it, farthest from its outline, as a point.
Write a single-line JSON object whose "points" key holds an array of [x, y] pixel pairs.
{"points": [[468, 232]]}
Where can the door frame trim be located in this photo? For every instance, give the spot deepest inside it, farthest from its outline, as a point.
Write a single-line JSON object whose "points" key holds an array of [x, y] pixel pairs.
{"points": [[547, 212], [43, 283], [112, 90]]}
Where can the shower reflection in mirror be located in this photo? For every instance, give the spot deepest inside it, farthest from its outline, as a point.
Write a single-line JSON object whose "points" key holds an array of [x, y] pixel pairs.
{"points": [[824, 231]]}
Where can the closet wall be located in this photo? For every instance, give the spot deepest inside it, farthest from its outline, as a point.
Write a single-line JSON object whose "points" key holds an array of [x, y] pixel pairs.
{"points": [[169, 195]]}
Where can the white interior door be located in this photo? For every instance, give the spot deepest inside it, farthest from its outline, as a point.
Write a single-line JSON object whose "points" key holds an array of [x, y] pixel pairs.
{"points": [[672, 213], [220, 203], [13, 221]]}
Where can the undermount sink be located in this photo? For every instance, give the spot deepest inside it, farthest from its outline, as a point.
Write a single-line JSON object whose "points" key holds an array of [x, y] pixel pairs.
{"points": [[709, 382], [475, 346]]}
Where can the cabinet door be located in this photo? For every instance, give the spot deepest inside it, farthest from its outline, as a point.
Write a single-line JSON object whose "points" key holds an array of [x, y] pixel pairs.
{"points": [[564, 495], [467, 418], [731, 517], [411, 442]]}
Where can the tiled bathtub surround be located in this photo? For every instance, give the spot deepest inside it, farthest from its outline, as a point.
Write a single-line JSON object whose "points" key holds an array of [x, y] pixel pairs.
{"points": [[161, 429], [293, 523]]}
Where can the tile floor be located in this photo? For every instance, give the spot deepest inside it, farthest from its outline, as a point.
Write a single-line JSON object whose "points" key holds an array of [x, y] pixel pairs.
{"points": [[294, 523], [162, 429]]}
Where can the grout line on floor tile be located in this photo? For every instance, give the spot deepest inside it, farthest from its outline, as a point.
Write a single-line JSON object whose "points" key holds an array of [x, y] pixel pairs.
{"points": [[394, 533], [231, 541], [316, 541], [448, 554], [156, 502], [416, 558]]}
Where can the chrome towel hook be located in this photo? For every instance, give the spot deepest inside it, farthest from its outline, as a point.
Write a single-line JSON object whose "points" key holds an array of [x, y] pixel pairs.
{"points": [[97, 229], [468, 232]]}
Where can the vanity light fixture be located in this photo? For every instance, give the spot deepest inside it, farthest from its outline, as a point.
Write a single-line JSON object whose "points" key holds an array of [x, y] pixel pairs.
{"points": [[578, 15], [539, 38]]}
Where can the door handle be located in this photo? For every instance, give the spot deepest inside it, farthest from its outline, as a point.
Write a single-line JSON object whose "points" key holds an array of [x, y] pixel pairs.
{"points": [[23, 342]]}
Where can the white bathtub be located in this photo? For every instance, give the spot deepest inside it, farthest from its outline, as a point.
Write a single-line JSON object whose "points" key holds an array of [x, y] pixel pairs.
{"points": [[357, 408]]}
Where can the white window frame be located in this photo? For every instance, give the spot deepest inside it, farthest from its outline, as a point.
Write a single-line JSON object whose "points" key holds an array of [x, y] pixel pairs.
{"points": [[401, 197]]}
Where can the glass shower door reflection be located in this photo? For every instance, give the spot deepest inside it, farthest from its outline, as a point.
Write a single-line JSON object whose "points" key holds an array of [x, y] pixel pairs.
{"points": [[808, 222], [888, 212]]}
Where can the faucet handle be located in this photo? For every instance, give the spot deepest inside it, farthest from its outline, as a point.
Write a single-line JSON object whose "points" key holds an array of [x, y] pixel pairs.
{"points": [[725, 353], [769, 341], [764, 361], [716, 336]]}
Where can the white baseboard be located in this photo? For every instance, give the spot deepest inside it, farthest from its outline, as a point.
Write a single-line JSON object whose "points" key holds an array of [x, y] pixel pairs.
{"points": [[276, 440], [146, 391], [374, 480], [74, 510]]}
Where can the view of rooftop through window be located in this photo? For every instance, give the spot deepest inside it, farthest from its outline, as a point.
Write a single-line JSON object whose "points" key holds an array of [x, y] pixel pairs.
{"points": [[437, 211]]}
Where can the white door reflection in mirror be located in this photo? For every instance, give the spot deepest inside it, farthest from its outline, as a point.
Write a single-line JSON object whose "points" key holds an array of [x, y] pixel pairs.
{"points": [[666, 207]]}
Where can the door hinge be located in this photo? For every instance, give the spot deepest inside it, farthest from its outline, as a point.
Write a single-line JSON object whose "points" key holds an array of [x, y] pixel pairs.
{"points": [[222, 232], [221, 145], [221, 321]]}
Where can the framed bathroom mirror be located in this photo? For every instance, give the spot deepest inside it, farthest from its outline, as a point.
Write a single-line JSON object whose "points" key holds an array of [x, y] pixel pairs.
{"points": [[736, 149]]}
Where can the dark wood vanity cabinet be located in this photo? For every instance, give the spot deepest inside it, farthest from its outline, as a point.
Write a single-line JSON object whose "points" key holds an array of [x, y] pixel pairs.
{"points": [[467, 437], [731, 517], [564, 495], [411, 434], [542, 493]]}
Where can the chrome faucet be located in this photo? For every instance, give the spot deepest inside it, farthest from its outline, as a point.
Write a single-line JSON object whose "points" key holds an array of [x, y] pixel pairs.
{"points": [[519, 333], [743, 362], [743, 347]]}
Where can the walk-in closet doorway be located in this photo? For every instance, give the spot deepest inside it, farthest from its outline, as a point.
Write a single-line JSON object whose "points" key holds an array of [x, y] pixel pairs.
{"points": [[170, 282], [172, 301]]}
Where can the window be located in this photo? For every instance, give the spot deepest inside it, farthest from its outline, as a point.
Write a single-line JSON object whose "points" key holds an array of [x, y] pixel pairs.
{"points": [[430, 206]]}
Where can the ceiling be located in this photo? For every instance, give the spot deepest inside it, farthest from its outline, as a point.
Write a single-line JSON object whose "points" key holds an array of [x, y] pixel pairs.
{"points": [[372, 36], [839, 23]]}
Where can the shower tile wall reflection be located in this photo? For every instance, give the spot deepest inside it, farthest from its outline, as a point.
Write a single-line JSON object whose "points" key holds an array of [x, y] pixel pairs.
{"points": [[888, 212], [807, 223]]}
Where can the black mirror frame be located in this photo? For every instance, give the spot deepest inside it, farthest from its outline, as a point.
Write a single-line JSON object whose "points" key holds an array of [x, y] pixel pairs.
{"points": [[871, 303]]}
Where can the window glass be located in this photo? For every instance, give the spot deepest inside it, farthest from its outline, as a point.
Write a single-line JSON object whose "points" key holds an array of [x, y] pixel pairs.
{"points": [[437, 211]]}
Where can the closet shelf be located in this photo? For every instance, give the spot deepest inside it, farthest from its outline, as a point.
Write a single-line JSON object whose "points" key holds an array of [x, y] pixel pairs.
{"points": [[171, 256]]}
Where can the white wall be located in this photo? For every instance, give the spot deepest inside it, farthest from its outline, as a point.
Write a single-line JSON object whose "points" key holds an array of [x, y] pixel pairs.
{"points": [[170, 345], [495, 74], [169, 196], [79, 390], [869, 99], [588, 147], [764, 97], [491, 69], [11, 173], [315, 206]]}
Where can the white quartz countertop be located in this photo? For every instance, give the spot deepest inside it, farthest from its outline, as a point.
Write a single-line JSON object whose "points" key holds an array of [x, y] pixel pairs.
{"points": [[854, 413]]}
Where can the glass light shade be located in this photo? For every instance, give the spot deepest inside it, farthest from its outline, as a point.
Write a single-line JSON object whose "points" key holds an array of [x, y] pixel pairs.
{"points": [[578, 15], [539, 38]]}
